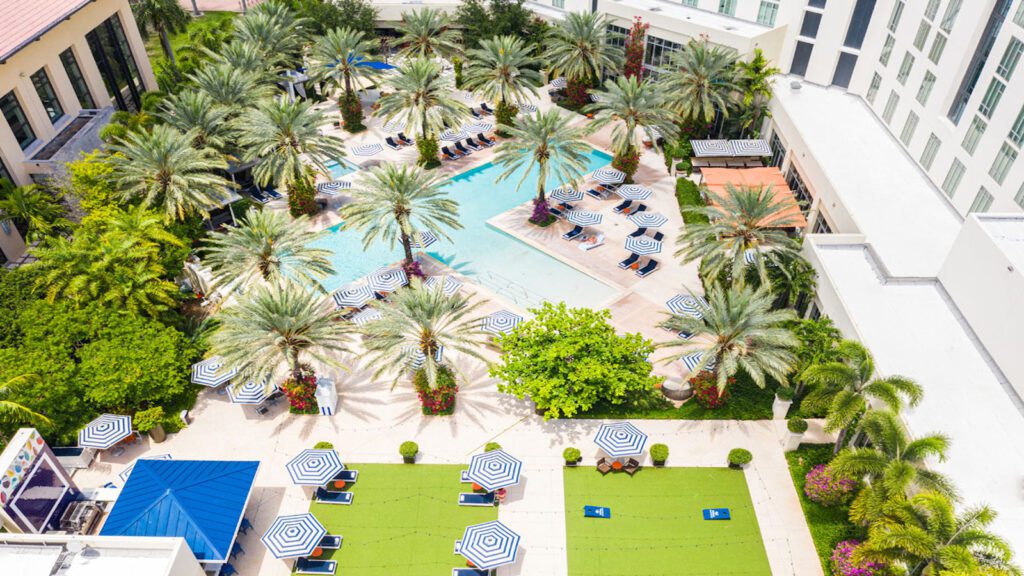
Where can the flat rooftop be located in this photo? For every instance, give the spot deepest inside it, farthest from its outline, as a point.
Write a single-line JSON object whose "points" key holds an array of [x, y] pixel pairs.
{"points": [[915, 330], [1008, 233], [25, 20], [695, 16], [40, 560], [891, 201]]}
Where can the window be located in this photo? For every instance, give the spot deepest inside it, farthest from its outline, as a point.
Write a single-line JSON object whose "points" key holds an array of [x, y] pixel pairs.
{"points": [[1019, 198], [922, 34], [17, 120], [905, 67], [113, 56], [560, 4], [894, 18], [876, 82], [859, 21], [616, 36], [949, 18], [932, 9], [953, 177], [978, 59], [886, 50], [821, 227], [1003, 162], [927, 83], [992, 97], [982, 202], [778, 150], [809, 28], [74, 73], [1018, 18], [690, 3], [973, 135], [931, 148], [938, 45], [801, 56], [1010, 58], [767, 12], [727, 7], [890, 106], [816, 3], [908, 129], [796, 184], [658, 54], [41, 82], [1017, 131], [844, 69]]}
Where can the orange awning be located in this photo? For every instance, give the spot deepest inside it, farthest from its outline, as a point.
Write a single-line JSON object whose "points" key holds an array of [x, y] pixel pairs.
{"points": [[715, 179]]}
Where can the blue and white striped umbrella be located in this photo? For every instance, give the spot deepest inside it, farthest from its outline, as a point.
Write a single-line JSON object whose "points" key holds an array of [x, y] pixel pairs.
{"points": [[249, 393], [749, 256], [353, 296], [423, 239], [210, 372], [394, 125], [609, 175], [643, 245], [366, 316], [477, 127], [501, 322], [451, 284], [633, 192], [559, 83], [314, 467], [451, 135], [583, 217], [419, 358], [331, 188], [647, 219], [387, 279], [620, 439], [367, 149], [686, 304], [105, 431], [566, 194], [489, 545], [293, 535], [692, 359], [493, 470], [527, 107]]}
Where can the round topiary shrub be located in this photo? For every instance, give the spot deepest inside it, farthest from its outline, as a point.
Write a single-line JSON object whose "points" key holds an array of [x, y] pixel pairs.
{"points": [[796, 425], [740, 457], [323, 446], [706, 392], [409, 450], [842, 562], [784, 393], [823, 486], [659, 454], [572, 456], [491, 447]]}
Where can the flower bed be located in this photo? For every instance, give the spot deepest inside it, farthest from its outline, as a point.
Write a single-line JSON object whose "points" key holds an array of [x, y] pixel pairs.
{"points": [[706, 393], [439, 400], [301, 393], [843, 564], [821, 485]]}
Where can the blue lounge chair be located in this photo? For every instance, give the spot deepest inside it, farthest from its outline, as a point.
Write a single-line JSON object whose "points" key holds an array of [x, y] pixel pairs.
{"points": [[273, 193], [621, 207], [629, 261], [556, 212], [330, 542], [465, 151], [484, 140], [639, 208], [572, 234], [246, 526], [227, 570], [638, 232], [596, 194], [716, 514], [237, 549], [566, 206], [458, 546], [651, 266], [658, 236], [487, 109], [391, 143], [469, 572], [472, 499], [464, 477], [258, 195], [472, 145], [328, 497], [347, 476], [405, 139], [684, 335], [448, 153], [475, 113], [307, 566]]}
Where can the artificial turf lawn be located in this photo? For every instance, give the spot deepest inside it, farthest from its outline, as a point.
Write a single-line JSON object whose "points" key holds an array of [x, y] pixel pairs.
{"points": [[404, 520], [656, 525]]}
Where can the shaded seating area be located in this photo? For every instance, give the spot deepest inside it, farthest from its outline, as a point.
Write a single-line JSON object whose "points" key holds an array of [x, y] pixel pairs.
{"points": [[770, 180], [621, 442], [728, 153]]}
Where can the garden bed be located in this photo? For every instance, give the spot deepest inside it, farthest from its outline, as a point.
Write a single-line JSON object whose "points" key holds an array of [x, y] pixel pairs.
{"points": [[746, 402]]}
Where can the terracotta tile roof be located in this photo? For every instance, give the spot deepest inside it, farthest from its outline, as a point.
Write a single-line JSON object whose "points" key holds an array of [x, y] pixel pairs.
{"points": [[22, 21], [716, 179]]}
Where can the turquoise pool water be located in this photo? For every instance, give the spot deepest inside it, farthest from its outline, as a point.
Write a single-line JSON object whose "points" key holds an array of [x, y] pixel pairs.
{"points": [[339, 169], [484, 254]]}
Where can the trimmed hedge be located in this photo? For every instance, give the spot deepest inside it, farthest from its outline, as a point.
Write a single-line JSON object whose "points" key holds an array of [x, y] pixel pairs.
{"points": [[688, 195]]}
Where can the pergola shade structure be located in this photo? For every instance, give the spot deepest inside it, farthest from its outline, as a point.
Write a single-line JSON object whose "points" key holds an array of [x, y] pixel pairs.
{"points": [[770, 179]]}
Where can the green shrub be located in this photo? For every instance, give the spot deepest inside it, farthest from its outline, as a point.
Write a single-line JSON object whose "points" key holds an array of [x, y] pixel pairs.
{"points": [[740, 456], [146, 420], [571, 454], [784, 393], [492, 446], [439, 400], [797, 425], [457, 67], [409, 449], [323, 446], [351, 113], [428, 151], [688, 196], [659, 452]]}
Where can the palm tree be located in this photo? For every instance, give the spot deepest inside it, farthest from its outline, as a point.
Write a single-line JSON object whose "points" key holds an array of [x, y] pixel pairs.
{"points": [[233, 88], [743, 223], [278, 31], [268, 245], [579, 49], [12, 412], [548, 142], [240, 55], [847, 386], [744, 333], [426, 33], [196, 113], [281, 137], [424, 102], [162, 168], [142, 227], [395, 202], [415, 325], [702, 81], [927, 535], [163, 16], [336, 58], [790, 277], [503, 71], [277, 325], [34, 211], [892, 465], [632, 104]]}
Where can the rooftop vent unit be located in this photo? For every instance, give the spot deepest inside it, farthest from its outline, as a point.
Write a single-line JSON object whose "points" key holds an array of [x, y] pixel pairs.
{"points": [[795, 85]]}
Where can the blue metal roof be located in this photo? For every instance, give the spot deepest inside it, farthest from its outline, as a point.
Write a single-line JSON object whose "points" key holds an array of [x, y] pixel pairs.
{"points": [[201, 501]]}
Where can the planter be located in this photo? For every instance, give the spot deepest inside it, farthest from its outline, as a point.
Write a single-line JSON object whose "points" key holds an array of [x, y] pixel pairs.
{"points": [[659, 463], [737, 466], [780, 408], [409, 459], [157, 434], [676, 389], [792, 441], [573, 463]]}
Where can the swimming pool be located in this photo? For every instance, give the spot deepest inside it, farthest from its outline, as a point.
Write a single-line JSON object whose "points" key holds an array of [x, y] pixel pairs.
{"points": [[340, 168], [484, 254]]}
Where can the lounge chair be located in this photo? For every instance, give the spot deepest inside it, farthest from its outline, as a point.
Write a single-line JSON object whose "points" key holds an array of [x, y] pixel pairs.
{"points": [[473, 499], [572, 234], [632, 465], [465, 151], [474, 113], [347, 476], [566, 206], [273, 193], [391, 143], [458, 547], [623, 207], [629, 261], [599, 194], [639, 208], [246, 526], [472, 145], [638, 232], [404, 139], [556, 212], [464, 477], [328, 497], [236, 549], [487, 109], [259, 196], [684, 335], [307, 566], [604, 466], [591, 242], [651, 266], [484, 140], [449, 154], [658, 236], [330, 542], [227, 570], [469, 572]]}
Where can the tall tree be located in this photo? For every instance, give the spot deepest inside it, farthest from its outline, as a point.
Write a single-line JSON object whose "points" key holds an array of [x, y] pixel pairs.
{"points": [[163, 16], [341, 57], [34, 211], [503, 71], [845, 387], [741, 332], [395, 203], [754, 81], [12, 412], [233, 88], [279, 32], [579, 49], [196, 113], [242, 56], [161, 168], [702, 81], [427, 33]]}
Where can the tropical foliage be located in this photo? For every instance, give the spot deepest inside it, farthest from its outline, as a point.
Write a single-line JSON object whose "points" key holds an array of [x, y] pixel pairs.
{"points": [[579, 49], [340, 57], [503, 71], [427, 33], [702, 81], [163, 16], [34, 211]]}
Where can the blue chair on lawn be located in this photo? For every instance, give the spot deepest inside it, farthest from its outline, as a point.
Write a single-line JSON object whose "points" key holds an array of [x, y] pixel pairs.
{"points": [[330, 542], [469, 572], [307, 566], [473, 499], [329, 497], [716, 514]]}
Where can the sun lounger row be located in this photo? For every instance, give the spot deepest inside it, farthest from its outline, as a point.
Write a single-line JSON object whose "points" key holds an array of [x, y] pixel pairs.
{"points": [[466, 147], [396, 142], [264, 194], [659, 236], [641, 271]]}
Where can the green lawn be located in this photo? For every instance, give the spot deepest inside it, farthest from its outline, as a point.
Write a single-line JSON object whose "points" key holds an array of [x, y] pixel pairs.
{"points": [[404, 520], [656, 524], [747, 402], [211, 19]]}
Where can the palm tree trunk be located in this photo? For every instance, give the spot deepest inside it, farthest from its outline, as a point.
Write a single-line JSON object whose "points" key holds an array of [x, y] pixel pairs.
{"points": [[165, 42], [296, 366], [195, 9], [348, 84], [841, 440], [407, 246], [244, 7], [541, 184]]}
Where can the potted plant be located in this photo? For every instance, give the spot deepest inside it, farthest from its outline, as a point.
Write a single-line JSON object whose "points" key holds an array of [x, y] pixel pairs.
{"points": [[659, 454], [409, 450], [796, 426], [739, 458], [572, 456], [783, 400], [492, 446], [150, 422]]}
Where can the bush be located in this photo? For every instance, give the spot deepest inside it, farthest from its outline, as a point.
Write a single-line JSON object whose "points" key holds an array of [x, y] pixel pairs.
{"points": [[628, 162], [797, 425], [351, 113], [428, 151], [571, 454], [504, 115], [842, 562], [492, 446], [541, 215], [659, 453], [688, 196], [823, 486], [706, 392], [146, 420], [409, 449], [323, 446], [439, 400], [740, 456], [457, 67], [784, 393], [301, 393]]}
